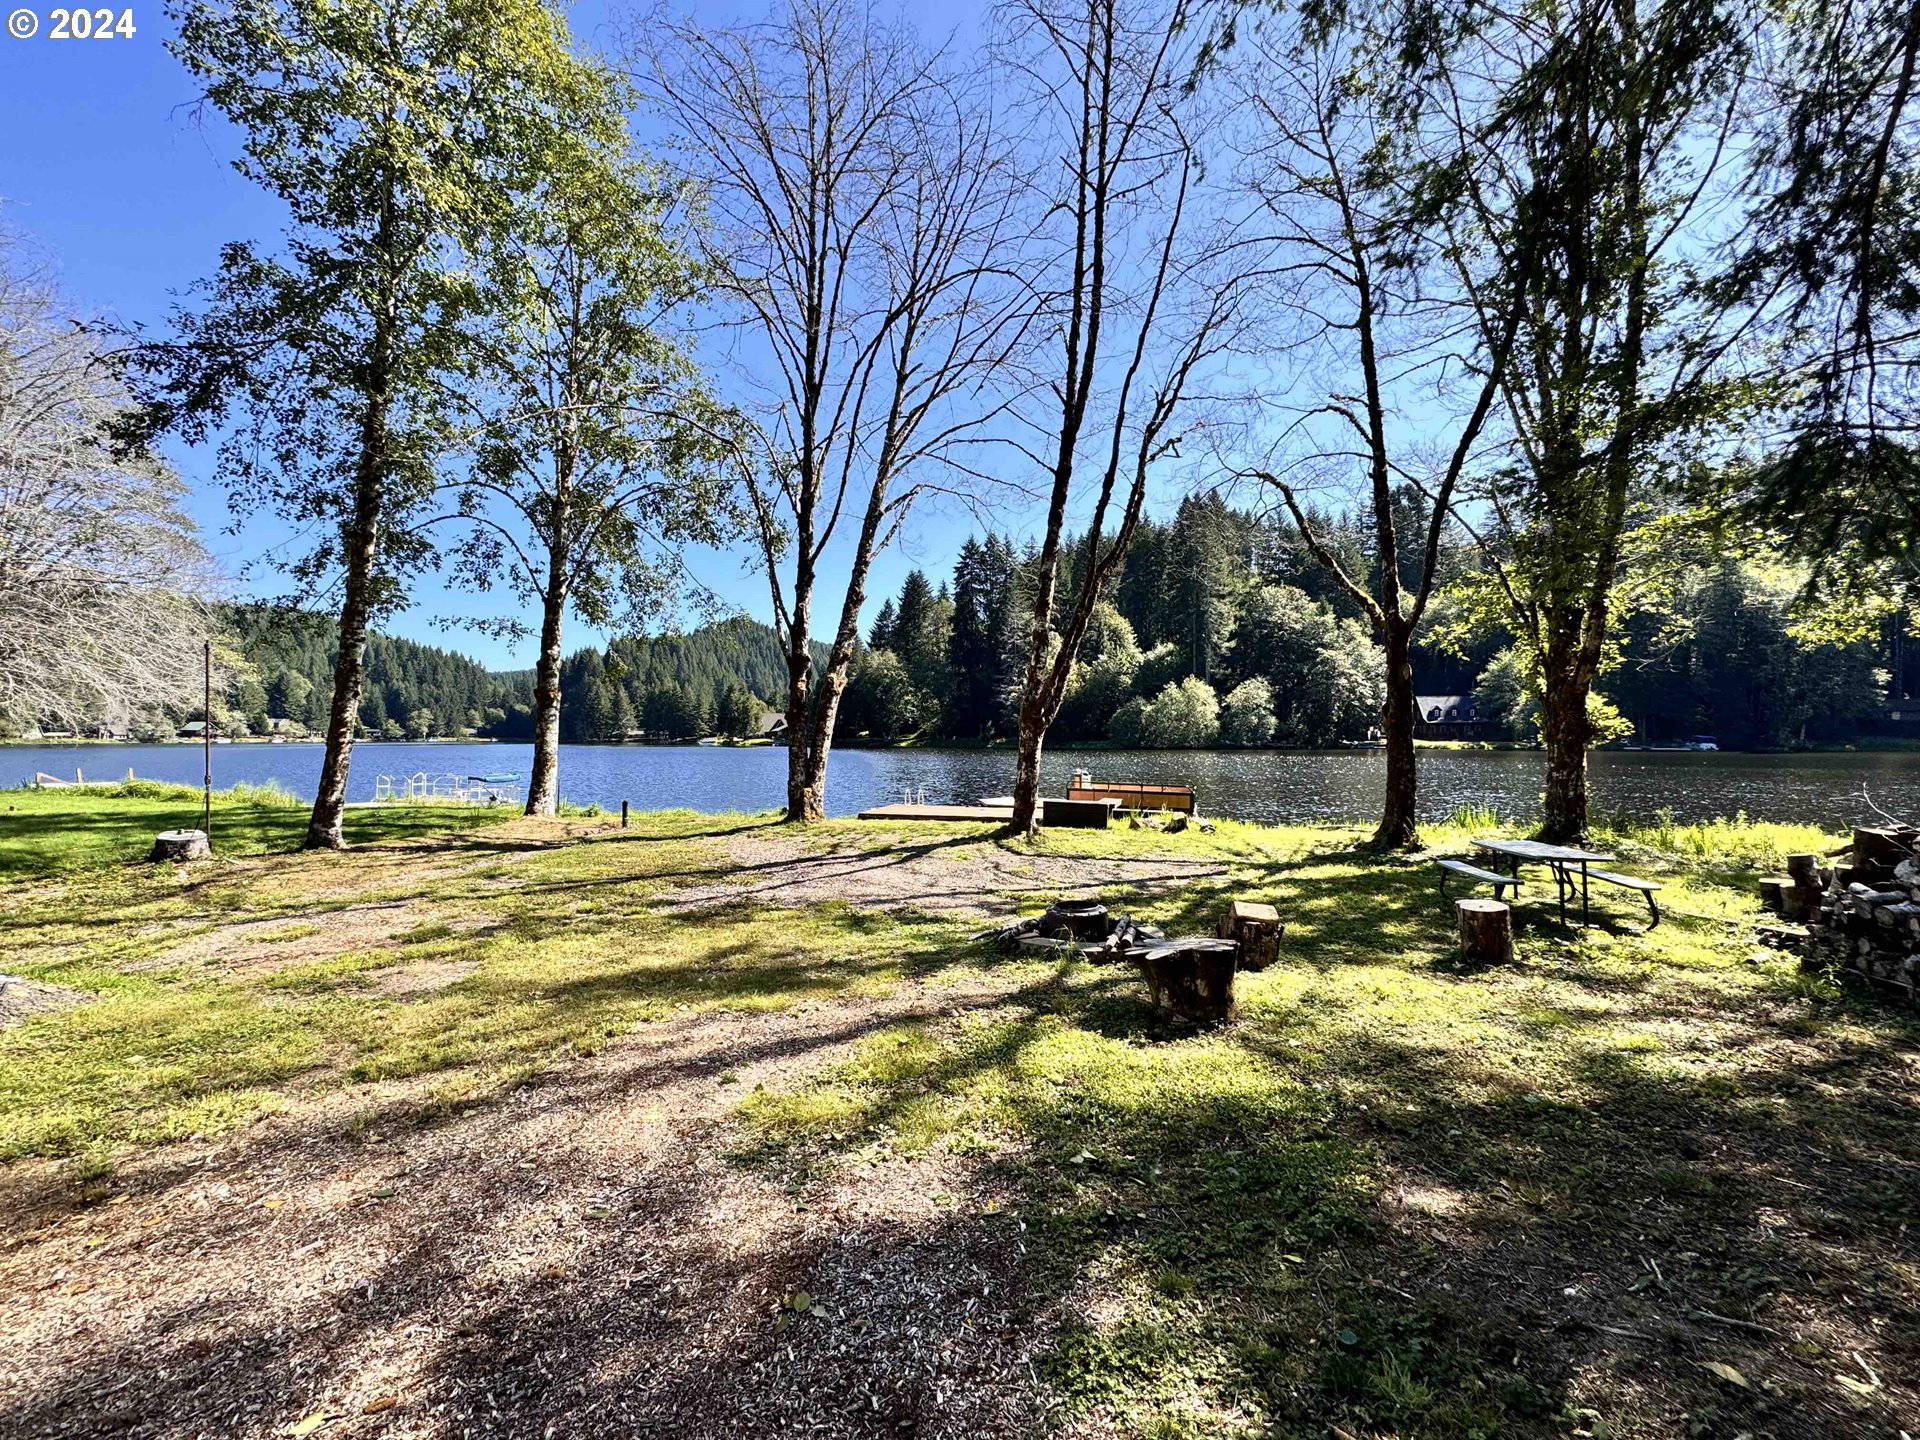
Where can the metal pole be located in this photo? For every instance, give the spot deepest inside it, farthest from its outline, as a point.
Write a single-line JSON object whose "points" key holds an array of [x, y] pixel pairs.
{"points": [[206, 746]]}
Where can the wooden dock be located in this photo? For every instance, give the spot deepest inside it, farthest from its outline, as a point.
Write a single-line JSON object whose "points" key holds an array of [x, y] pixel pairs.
{"points": [[978, 813]]}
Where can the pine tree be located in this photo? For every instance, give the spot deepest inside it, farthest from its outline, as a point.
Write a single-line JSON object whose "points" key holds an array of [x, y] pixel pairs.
{"points": [[884, 625]]}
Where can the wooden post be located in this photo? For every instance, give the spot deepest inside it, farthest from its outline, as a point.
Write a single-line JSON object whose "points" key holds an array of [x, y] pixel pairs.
{"points": [[1258, 929], [206, 743], [623, 814], [1486, 931]]}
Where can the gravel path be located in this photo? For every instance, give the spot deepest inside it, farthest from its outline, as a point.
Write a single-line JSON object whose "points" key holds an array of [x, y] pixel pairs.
{"points": [[581, 1260]]}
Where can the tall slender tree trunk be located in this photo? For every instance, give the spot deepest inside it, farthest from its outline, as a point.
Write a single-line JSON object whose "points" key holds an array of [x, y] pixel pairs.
{"points": [[349, 667], [362, 548], [1026, 768], [1398, 828], [1564, 731], [543, 783]]}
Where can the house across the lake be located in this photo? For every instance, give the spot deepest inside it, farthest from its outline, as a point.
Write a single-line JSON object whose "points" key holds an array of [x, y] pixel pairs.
{"points": [[1448, 717]]}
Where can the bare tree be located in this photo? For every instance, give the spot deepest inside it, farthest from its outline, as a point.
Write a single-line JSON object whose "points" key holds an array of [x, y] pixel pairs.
{"points": [[1371, 338], [1134, 321], [102, 579], [864, 216]]}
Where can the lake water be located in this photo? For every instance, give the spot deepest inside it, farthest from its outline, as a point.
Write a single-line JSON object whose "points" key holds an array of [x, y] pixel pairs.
{"points": [[1263, 785]]}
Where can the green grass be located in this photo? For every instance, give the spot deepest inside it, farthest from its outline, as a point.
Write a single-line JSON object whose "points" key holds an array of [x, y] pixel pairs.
{"points": [[49, 832], [1395, 1196]]}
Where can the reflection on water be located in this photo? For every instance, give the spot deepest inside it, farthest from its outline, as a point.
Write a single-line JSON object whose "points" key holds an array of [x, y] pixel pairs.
{"points": [[1244, 784]]}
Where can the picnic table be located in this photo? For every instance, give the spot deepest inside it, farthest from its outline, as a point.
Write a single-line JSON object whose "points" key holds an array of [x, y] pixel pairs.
{"points": [[1560, 858]]}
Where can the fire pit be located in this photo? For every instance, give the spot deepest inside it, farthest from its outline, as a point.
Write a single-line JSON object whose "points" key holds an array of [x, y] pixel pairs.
{"points": [[1076, 920], [1084, 925]]}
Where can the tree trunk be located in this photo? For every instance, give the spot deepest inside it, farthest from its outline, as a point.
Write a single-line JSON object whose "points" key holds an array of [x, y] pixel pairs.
{"points": [[1398, 829], [349, 667], [361, 550], [1563, 728], [543, 782], [807, 758], [1026, 769]]}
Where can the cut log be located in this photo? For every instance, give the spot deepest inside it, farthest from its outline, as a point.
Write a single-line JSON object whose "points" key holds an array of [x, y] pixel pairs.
{"points": [[1191, 979], [1803, 867], [181, 845], [1878, 851], [1771, 890], [1486, 931], [1258, 929]]}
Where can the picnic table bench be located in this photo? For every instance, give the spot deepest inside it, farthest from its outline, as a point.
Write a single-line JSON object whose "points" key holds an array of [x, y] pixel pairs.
{"points": [[1501, 883], [1568, 864]]}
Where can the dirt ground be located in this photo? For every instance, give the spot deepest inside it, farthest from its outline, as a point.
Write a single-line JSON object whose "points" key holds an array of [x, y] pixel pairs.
{"points": [[582, 1260], [975, 882]]}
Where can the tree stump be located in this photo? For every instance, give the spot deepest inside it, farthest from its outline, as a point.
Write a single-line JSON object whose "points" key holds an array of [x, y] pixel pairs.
{"points": [[1486, 931], [1772, 891], [181, 845], [1258, 929], [1191, 979]]}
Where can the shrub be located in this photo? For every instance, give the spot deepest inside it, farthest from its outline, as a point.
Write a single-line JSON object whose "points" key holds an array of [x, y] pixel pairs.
{"points": [[1185, 716], [1246, 716]]}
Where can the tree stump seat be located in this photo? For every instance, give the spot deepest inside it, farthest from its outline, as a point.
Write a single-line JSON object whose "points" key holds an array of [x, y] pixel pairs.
{"points": [[1257, 928], [181, 845], [1191, 979], [1486, 931]]}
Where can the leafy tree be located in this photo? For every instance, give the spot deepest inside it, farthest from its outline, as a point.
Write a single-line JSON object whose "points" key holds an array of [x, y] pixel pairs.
{"points": [[400, 137], [1185, 716], [1595, 157], [1127, 729], [600, 453], [1246, 715], [880, 699]]}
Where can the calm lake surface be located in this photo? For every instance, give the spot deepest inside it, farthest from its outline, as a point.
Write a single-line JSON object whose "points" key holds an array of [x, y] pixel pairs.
{"points": [[1270, 786]]}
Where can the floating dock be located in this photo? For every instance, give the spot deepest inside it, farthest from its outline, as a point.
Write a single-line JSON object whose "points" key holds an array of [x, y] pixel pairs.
{"points": [[987, 814]]}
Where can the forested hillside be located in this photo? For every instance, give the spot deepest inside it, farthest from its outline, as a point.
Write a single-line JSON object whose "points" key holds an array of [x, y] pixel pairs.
{"points": [[412, 691], [1222, 629], [278, 665]]}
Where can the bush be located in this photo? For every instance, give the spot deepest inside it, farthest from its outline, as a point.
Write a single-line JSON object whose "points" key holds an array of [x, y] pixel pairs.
{"points": [[1128, 724], [1246, 716], [1185, 716]]}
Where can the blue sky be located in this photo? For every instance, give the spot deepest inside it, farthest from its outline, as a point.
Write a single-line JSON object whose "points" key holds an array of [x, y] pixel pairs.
{"points": [[104, 164]]}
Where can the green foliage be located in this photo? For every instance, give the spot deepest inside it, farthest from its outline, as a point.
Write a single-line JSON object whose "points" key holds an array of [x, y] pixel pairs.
{"points": [[880, 699], [1184, 716], [1246, 715]]}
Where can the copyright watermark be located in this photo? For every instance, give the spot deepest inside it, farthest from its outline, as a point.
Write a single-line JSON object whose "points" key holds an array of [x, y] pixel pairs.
{"points": [[64, 24]]}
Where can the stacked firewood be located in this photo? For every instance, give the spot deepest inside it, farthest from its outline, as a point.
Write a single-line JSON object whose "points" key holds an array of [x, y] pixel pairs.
{"points": [[1862, 913]]}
